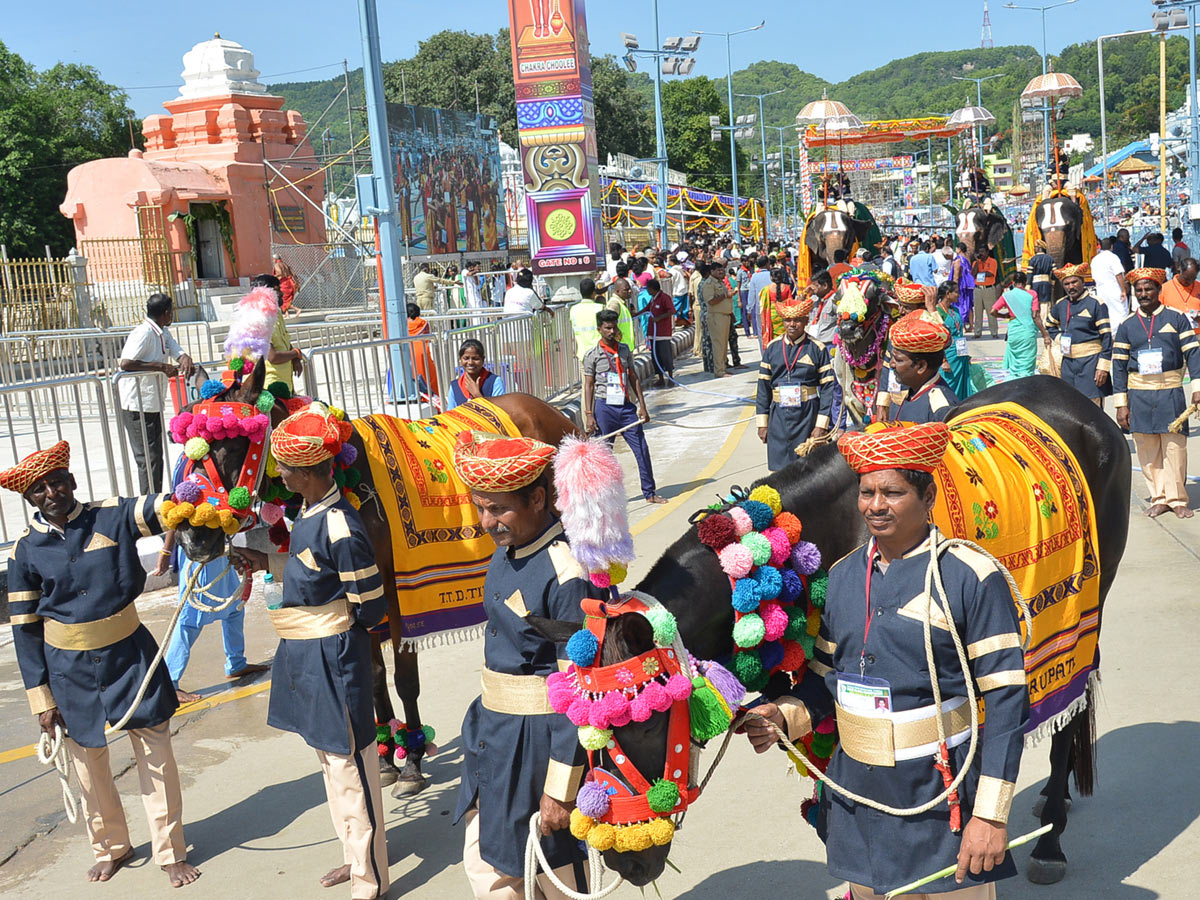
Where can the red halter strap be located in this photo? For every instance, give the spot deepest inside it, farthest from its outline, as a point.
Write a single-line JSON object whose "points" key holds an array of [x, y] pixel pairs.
{"points": [[210, 480]]}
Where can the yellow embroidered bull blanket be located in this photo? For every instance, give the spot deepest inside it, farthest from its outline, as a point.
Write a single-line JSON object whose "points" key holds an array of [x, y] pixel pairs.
{"points": [[440, 552], [1011, 485]]}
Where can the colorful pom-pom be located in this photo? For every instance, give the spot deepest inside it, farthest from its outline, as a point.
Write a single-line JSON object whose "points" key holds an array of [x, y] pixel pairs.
{"points": [[771, 654], [639, 709], [239, 497], [678, 687], [617, 572], [211, 388], [196, 448], [278, 534], [602, 837], [580, 711], [813, 625], [741, 521], [781, 547], [582, 648], [237, 364], [793, 657], [592, 800], [656, 697], [616, 708], [759, 547], [797, 623], [280, 390], [806, 558], [265, 402], [716, 531], [760, 514], [594, 738], [632, 839], [764, 493], [661, 831], [662, 796], [747, 594], [817, 588], [770, 582], [790, 525], [347, 455], [792, 587], [601, 580], [664, 624], [775, 621], [749, 630], [580, 824], [749, 670], [189, 492], [737, 560], [248, 367]]}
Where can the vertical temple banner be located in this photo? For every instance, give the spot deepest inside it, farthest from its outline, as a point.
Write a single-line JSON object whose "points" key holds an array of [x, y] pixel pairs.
{"points": [[806, 200], [557, 130]]}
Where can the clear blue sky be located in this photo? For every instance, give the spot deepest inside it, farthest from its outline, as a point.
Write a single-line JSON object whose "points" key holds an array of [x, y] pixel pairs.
{"points": [[135, 43]]}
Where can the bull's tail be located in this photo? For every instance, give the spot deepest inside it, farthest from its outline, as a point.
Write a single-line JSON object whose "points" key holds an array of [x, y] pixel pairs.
{"points": [[1083, 745]]}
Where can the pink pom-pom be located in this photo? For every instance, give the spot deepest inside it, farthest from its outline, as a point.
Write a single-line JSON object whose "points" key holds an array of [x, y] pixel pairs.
{"points": [[793, 657], [597, 717], [678, 687], [591, 494], [580, 710], [781, 547], [561, 699], [616, 708], [775, 620], [826, 725], [657, 697], [555, 678], [229, 421], [601, 580], [736, 560], [401, 753], [190, 432], [640, 710], [741, 521], [271, 513]]}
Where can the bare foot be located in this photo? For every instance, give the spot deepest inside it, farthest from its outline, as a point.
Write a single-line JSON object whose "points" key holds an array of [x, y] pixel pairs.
{"points": [[340, 875], [248, 669], [187, 696], [102, 871], [1183, 512], [181, 873], [1157, 510]]}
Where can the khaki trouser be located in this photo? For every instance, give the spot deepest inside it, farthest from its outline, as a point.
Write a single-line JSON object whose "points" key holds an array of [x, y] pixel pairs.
{"points": [[488, 883], [977, 892], [719, 324], [356, 807], [1163, 458], [985, 299], [158, 779]]}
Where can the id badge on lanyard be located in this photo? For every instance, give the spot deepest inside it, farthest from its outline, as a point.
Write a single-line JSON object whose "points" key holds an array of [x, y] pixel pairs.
{"points": [[791, 395], [614, 392], [1064, 344], [864, 696], [960, 346], [894, 386], [1150, 362]]}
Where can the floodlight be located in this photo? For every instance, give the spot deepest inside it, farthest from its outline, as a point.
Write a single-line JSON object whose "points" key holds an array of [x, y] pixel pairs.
{"points": [[714, 121], [630, 62], [685, 66], [690, 44], [1161, 19], [1179, 18], [629, 40], [670, 64], [672, 43], [715, 135]]}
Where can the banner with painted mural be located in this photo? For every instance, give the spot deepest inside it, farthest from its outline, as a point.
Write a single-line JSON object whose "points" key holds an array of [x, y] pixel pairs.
{"points": [[557, 129], [448, 186]]}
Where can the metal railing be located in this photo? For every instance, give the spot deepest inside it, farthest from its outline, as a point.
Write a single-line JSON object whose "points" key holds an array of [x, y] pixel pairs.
{"points": [[37, 293]]}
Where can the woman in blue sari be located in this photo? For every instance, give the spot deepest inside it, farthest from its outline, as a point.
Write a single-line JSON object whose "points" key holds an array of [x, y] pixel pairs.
{"points": [[475, 381], [956, 371], [1025, 322]]}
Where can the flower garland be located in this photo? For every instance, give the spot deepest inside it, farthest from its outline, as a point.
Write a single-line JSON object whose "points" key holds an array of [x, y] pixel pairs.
{"points": [[871, 355]]}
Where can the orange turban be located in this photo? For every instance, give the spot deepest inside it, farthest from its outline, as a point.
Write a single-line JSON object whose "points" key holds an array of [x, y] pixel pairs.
{"points": [[909, 293], [916, 333], [917, 447], [795, 308], [493, 463], [309, 436], [1079, 270], [1158, 275], [21, 477]]}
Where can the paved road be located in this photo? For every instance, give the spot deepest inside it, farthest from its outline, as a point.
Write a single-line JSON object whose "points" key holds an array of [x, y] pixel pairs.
{"points": [[254, 801]]}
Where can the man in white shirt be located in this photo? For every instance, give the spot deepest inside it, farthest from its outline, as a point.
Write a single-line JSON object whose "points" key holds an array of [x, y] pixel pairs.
{"points": [[944, 259], [1109, 274], [521, 299], [680, 284], [149, 348], [472, 295]]}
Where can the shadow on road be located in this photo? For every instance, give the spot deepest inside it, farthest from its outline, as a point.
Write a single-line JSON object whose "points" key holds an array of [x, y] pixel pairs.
{"points": [[771, 878]]}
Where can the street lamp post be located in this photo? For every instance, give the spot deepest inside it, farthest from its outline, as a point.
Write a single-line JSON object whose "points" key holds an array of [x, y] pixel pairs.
{"points": [[1182, 14], [979, 102], [763, 139], [782, 166], [728, 35], [1046, 116]]}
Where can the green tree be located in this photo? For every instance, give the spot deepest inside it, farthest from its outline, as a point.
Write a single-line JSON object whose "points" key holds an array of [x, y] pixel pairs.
{"points": [[51, 121], [687, 105]]}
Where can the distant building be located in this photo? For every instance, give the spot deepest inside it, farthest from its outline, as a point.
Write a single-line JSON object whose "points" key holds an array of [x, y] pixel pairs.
{"points": [[1079, 143], [999, 171]]}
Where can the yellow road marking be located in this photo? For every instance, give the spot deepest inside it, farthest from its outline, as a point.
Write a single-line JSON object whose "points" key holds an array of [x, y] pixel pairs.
{"points": [[217, 699], [714, 466]]}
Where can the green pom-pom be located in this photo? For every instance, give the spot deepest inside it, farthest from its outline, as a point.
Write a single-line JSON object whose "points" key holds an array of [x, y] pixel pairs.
{"points": [[822, 746], [339, 477], [662, 796], [353, 477], [797, 625], [237, 364], [808, 642], [665, 626], [759, 547], [239, 497], [818, 585], [593, 738], [748, 668], [709, 715], [279, 390], [430, 734], [401, 740], [382, 734], [749, 630], [265, 402]]}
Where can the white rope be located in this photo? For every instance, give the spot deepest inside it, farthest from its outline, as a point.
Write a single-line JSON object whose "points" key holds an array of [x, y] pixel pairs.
{"points": [[534, 856], [53, 750]]}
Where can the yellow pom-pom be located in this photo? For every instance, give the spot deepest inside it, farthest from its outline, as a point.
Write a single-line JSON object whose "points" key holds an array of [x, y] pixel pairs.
{"points": [[814, 623], [225, 516], [602, 837], [166, 507], [272, 469], [764, 493], [204, 514], [661, 831], [337, 413], [232, 528], [174, 518], [581, 825], [633, 839], [799, 764], [185, 510], [352, 499], [618, 572]]}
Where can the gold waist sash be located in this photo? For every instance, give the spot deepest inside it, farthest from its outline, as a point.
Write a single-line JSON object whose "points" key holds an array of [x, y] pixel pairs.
{"points": [[1084, 349], [807, 392], [92, 635], [875, 741], [514, 695], [1040, 279], [305, 623], [1164, 381]]}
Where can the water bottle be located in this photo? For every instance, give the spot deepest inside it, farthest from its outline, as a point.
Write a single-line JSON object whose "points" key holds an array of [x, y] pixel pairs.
{"points": [[272, 591]]}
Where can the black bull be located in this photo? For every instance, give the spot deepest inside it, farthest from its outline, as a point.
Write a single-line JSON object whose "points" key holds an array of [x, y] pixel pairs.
{"points": [[821, 490]]}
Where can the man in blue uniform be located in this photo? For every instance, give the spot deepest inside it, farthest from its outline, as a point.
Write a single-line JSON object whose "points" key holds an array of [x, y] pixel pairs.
{"points": [[1079, 324], [869, 668], [83, 654], [518, 757], [321, 677], [795, 387], [1150, 352], [918, 349]]}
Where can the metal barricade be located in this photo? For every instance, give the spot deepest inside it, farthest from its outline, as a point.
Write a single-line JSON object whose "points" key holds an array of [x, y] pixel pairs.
{"points": [[141, 427], [364, 378], [91, 437]]}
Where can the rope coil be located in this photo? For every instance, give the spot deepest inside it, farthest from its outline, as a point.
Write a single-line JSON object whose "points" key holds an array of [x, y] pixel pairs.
{"points": [[534, 855], [52, 750]]}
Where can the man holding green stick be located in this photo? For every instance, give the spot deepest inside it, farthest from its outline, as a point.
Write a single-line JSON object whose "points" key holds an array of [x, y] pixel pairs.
{"points": [[911, 795]]}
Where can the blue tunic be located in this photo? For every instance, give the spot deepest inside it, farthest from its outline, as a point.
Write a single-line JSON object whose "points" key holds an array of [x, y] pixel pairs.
{"points": [[872, 848], [88, 571], [509, 761], [1155, 400], [930, 403], [1085, 321], [321, 686], [786, 364]]}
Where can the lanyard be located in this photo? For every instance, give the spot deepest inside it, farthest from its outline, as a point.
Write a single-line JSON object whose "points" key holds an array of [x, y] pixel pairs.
{"points": [[1149, 329], [462, 384], [616, 364], [788, 366], [862, 658]]}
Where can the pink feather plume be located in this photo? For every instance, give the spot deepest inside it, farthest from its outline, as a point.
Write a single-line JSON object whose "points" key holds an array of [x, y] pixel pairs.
{"points": [[591, 495], [253, 321]]}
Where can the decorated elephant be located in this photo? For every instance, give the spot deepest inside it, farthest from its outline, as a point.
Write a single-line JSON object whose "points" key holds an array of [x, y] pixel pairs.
{"points": [[846, 226], [1064, 221], [980, 226]]}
